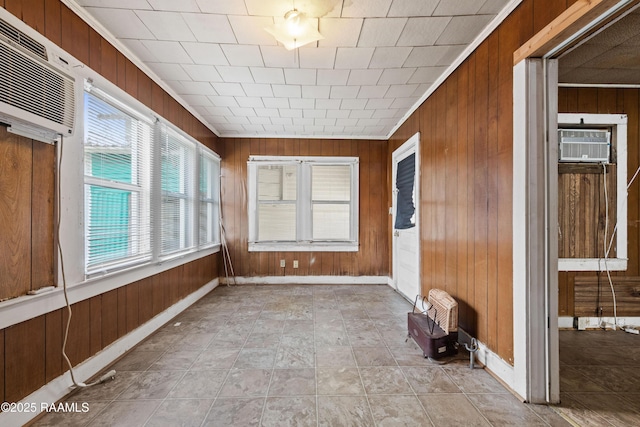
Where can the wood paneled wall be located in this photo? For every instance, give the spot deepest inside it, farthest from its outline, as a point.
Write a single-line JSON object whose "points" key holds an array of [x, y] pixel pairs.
{"points": [[30, 352], [608, 101], [466, 196], [372, 257]]}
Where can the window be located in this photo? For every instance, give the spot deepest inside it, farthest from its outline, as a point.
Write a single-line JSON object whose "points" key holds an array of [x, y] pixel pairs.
{"points": [[117, 185], [151, 192], [303, 203]]}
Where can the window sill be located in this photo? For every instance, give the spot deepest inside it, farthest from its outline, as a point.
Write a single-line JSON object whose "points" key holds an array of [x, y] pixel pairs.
{"points": [[304, 247]]}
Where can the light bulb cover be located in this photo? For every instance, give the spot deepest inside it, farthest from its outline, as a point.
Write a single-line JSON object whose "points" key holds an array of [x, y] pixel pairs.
{"points": [[295, 30]]}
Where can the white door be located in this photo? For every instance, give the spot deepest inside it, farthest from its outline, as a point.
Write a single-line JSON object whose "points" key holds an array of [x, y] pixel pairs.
{"points": [[405, 224]]}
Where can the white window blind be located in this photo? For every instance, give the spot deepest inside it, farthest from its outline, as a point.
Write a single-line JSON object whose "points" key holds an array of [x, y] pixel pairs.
{"points": [[209, 183], [305, 203], [117, 164], [178, 168]]}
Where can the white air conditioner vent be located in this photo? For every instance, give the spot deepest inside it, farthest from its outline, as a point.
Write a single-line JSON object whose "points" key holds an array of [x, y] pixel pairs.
{"points": [[13, 35], [31, 89], [584, 145]]}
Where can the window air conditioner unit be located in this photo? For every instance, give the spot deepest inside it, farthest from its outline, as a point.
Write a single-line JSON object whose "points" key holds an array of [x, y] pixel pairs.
{"points": [[37, 100], [584, 145]]}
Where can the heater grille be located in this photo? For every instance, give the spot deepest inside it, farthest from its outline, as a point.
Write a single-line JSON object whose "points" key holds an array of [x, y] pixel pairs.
{"points": [[446, 310]]}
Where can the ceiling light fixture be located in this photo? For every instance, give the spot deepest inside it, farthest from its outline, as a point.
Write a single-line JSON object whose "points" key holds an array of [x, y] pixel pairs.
{"points": [[296, 30]]}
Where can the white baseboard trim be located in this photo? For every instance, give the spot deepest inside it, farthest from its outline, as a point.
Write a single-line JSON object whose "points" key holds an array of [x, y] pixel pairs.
{"points": [[58, 388], [490, 360], [306, 280], [565, 322], [606, 322]]}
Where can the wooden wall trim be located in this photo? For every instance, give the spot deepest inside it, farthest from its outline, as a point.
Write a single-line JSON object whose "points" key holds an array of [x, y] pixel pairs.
{"points": [[565, 26]]}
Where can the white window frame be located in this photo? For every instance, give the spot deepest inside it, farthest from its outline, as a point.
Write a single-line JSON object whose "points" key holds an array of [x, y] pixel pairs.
{"points": [[303, 242], [213, 233]]}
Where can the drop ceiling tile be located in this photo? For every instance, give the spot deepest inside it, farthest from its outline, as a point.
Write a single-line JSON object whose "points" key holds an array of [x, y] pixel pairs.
{"points": [[353, 57], [427, 74], [361, 114], [254, 128], [332, 77], [302, 121], [325, 122], [373, 130], [353, 104], [138, 48], [463, 29], [294, 129], [344, 91], [346, 122], [209, 28], [428, 56], [386, 113], [378, 103], [422, 89], [493, 6], [381, 31], [231, 127], [205, 53], [257, 89], [412, 7], [228, 89], [219, 111], [196, 88], [165, 51], [338, 114], [197, 100], [317, 57], [223, 7], [240, 111], [339, 32], [368, 122], [223, 101], [235, 74], [274, 128], [242, 120], [286, 91], [120, 4], [284, 121], [267, 112], [401, 91], [278, 56], [268, 75], [327, 104], [313, 128], [243, 55], [169, 71], [335, 130], [365, 8], [251, 29], [301, 103], [260, 120], [387, 122], [315, 91], [276, 102], [423, 31], [396, 76], [202, 73], [166, 25], [458, 7], [270, 8], [123, 24], [377, 91], [389, 57], [249, 101], [364, 77], [175, 6], [401, 103], [297, 76], [289, 112], [315, 114]]}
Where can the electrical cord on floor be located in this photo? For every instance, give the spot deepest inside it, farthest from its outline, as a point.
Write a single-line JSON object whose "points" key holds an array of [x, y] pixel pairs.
{"points": [[111, 374]]}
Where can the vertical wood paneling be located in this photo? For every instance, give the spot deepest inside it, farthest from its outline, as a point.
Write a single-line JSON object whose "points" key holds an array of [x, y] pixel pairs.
{"points": [[24, 348], [53, 345], [53, 21], [109, 314], [95, 325], [16, 158], [132, 296], [78, 346], [75, 35], [42, 215], [95, 50]]}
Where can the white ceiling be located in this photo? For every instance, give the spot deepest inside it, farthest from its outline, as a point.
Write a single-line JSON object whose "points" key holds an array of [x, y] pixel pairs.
{"points": [[378, 58]]}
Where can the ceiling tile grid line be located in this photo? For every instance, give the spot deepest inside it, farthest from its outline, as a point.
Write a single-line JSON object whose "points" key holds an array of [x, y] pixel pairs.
{"points": [[376, 62]]}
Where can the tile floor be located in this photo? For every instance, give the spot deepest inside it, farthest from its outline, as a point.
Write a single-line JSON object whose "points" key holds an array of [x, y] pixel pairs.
{"points": [[290, 355]]}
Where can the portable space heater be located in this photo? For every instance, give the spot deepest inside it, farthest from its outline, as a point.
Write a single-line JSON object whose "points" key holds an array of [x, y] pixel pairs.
{"points": [[435, 329]]}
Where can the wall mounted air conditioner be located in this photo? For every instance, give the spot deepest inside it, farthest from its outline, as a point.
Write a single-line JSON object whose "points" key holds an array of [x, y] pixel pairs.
{"points": [[585, 145], [36, 98]]}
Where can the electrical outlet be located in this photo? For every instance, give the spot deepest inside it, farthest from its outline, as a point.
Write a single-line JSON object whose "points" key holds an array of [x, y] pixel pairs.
{"points": [[295, 263], [283, 264]]}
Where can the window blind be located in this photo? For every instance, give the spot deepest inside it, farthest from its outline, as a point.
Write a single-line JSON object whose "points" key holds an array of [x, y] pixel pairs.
{"points": [[117, 164], [209, 194]]}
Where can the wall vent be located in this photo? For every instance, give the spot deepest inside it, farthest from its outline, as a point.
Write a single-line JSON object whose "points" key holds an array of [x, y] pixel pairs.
{"points": [[32, 90], [585, 145]]}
